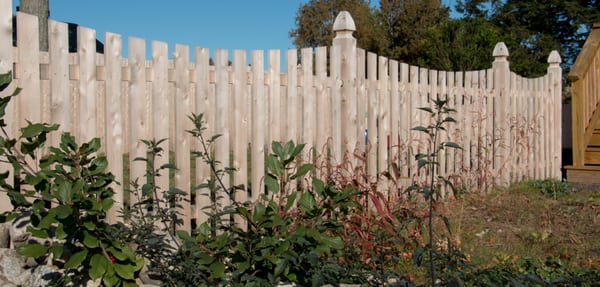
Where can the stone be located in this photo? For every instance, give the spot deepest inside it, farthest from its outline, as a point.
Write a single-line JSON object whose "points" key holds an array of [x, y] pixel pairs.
{"points": [[42, 275], [11, 264]]}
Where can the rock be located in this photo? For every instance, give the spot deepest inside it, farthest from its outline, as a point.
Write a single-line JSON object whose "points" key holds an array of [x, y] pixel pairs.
{"points": [[11, 264], [96, 283], [42, 275]]}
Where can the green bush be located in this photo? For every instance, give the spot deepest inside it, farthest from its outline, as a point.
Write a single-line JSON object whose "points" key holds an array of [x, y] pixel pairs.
{"points": [[65, 192], [550, 187]]}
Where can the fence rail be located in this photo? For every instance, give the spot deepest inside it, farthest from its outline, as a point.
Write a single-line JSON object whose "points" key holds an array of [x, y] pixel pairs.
{"points": [[343, 99]]}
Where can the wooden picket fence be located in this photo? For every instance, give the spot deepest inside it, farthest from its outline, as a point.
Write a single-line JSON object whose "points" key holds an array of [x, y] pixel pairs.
{"points": [[342, 99]]}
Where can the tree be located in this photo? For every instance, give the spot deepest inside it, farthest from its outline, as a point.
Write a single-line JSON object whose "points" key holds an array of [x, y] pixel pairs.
{"points": [[459, 45], [406, 23], [534, 28], [396, 29], [314, 24]]}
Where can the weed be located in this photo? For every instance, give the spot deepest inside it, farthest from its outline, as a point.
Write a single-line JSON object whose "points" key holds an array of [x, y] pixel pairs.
{"points": [[429, 164]]}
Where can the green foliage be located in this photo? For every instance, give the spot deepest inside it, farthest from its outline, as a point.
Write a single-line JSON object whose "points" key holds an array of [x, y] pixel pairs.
{"points": [[406, 24], [517, 271], [288, 235], [550, 187], [314, 24], [65, 193], [422, 32], [460, 45]]}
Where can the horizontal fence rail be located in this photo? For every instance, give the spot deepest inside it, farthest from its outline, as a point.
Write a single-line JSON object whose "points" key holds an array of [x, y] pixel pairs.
{"points": [[343, 101]]}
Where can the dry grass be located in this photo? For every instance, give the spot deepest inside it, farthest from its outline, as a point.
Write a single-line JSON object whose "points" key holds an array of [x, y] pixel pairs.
{"points": [[521, 221]]}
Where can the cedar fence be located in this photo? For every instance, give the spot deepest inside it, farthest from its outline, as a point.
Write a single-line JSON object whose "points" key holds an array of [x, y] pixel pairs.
{"points": [[342, 99]]}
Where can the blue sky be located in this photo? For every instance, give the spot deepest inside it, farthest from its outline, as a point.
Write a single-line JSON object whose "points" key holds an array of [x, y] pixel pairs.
{"points": [[229, 24]]}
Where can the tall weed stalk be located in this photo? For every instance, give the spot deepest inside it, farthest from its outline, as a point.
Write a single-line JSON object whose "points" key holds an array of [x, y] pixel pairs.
{"points": [[429, 163]]}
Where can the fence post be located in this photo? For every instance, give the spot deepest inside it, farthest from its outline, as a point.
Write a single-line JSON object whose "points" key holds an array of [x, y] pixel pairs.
{"points": [[501, 70], [555, 91], [345, 43]]}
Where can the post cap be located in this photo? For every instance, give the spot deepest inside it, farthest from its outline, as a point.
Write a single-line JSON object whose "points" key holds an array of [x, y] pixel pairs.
{"points": [[554, 58], [344, 23], [500, 50]]}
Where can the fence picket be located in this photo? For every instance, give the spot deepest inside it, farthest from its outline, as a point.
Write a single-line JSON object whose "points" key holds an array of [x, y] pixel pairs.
{"points": [[258, 123], [372, 114], [324, 127], [183, 124], [114, 117], [240, 135], [276, 112], [6, 65], [161, 111], [204, 103], [87, 98]]}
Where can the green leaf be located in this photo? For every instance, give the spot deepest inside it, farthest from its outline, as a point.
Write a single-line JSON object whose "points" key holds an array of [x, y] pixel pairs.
{"points": [[125, 271], [64, 193], [67, 142], [56, 250], [449, 120], [333, 242], [452, 145], [63, 211], [281, 265], [427, 109], [98, 165], [111, 280], [60, 233], [288, 150], [304, 169], [90, 240], [33, 130], [421, 129], [117, 253], [307, 202], [272, 184], [5, 80], [90, 147], [204, 259], [32, 250], [39, 233], [274, 165], [318, 186], [242, 266], [217, 269], [277, 149], [182, 234], [290, 201], [89, 225], [76, 259], [259, 212], [297, 150], [98, 266]]}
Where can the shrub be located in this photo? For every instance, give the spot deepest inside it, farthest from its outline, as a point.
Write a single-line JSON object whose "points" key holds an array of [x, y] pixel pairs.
{"points": [[65, 192]]}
